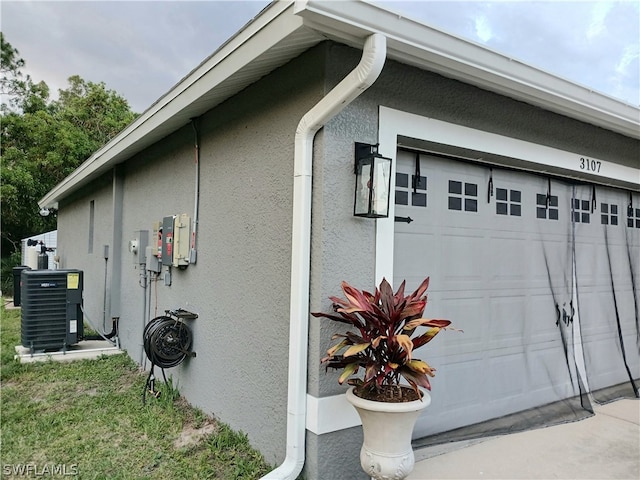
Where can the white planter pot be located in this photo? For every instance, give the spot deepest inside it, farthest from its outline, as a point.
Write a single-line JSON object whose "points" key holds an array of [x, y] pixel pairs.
{"points": [[386, 453]]}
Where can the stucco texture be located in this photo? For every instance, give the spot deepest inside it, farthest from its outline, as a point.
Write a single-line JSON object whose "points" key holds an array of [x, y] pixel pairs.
{"points": [[344, 246], [74, 250], [240, 283]]}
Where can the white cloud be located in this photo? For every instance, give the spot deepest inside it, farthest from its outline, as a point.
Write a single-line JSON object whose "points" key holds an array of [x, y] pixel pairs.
{"points": [[483, 29], [598, 16]]}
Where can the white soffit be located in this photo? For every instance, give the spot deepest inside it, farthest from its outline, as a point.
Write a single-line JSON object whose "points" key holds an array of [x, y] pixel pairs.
{"points": [[285, 29]]}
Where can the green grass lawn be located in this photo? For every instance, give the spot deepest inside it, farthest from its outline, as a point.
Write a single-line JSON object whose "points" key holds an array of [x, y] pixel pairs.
{"points": [[86, 418]]}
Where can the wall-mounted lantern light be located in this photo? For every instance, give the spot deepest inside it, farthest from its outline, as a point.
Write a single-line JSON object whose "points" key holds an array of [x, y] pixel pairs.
{"points": [[373, 182]]}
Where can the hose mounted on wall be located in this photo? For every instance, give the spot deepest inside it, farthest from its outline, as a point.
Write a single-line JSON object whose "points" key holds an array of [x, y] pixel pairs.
{"points": [[167, 342]]}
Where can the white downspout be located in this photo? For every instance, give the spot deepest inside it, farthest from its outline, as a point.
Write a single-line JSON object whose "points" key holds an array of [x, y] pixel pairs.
{"points": [[362, 77]]}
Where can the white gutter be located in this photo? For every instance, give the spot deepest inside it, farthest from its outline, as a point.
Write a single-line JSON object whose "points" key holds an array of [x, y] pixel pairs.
{"points": [[362, 77]]}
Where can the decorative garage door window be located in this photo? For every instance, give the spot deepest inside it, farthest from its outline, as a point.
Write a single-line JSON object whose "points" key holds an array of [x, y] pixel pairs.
{"points": [[417, 190], [547, 209], [608, 214], [581, 211], [459, 197], [508, 202], [545, 295], [633, 217]]}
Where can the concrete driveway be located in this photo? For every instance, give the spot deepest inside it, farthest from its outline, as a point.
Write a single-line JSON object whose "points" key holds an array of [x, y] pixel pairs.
{"points": [[604, 446]]}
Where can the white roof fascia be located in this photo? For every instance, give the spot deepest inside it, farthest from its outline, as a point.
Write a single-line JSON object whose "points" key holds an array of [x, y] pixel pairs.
{"points": [[416, 44]]}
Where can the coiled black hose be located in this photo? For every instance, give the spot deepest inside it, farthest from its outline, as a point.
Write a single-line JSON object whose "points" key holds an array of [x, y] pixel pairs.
{"points": [[167, 342]]}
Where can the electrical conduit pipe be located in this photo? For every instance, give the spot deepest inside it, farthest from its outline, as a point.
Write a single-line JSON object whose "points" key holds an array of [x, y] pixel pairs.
{"points": [[361, 78]]}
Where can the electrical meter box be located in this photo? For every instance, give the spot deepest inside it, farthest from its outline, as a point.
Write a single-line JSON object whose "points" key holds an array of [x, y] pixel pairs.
{"points": [[181, 240], [167, 240]]}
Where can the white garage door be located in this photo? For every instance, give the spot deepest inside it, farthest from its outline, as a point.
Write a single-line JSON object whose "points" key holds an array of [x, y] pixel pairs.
{"points": [[498, 247], [607, 264]]}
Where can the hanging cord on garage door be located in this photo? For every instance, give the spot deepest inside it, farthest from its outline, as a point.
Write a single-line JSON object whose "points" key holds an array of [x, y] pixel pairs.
{"points": [[490, 186], [167, 342]]}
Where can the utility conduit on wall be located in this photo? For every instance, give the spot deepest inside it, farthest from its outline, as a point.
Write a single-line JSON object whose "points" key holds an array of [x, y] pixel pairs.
{"points": [[193, 254], [360, 79]]}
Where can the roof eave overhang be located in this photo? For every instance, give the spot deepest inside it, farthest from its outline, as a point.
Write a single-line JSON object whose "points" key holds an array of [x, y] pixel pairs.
{"points": [[416, 44], [268, 41], [286, 29]]}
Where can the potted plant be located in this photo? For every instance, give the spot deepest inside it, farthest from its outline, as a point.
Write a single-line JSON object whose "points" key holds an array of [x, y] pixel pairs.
{"points": [[388, 332]]}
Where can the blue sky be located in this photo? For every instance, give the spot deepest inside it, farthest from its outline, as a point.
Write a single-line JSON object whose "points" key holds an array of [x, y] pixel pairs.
{"points": [[141, 49]]}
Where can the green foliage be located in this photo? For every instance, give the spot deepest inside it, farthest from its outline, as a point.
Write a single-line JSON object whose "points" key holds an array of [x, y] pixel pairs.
{"points": [[11, 80], [386, 322], [6, 274], [42, 141], [89, 413]]}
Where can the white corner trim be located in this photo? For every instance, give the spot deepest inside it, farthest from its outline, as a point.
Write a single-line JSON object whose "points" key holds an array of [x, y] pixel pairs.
{"points": [[330, 414]]}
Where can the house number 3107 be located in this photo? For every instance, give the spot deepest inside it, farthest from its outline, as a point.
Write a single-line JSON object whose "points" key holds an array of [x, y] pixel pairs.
{"points": [[590, 165]]}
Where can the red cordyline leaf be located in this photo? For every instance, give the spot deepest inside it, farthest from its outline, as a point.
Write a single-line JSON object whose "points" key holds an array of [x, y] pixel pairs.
{"points": [[336, 348], [370, 298], [355, 297], [348, 371], [414, 308], [427, 322], [354, 338], [420, 367], [339, 301], [387, 298], [425, 337], [440, 323], [416, 379], [371, 372], [344, 318], [419, 291], [350, 310], [405, 342], [355, 349], [399, 296], [336, 318]]}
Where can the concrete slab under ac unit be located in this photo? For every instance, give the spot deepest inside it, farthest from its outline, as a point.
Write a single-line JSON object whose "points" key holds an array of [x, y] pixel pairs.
{"points": [[86, 349]]}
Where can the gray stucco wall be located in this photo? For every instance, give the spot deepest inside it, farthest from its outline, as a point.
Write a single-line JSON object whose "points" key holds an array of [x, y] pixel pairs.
{"points": [[73, 245], [240, 284], [344, 246]]}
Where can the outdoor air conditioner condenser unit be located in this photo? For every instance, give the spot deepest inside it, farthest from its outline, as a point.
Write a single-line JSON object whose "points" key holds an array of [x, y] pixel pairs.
{"points": [[51, 308]]}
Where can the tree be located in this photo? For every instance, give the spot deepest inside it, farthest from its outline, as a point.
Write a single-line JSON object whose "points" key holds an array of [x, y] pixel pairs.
{"points": [[43, 140], [10, 65]]}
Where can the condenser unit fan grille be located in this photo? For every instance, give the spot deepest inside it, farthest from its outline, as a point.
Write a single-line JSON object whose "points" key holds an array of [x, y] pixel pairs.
{"points": [[51, 308]]}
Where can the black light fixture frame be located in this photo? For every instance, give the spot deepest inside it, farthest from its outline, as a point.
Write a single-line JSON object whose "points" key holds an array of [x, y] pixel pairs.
{"points": [[367, 155]]}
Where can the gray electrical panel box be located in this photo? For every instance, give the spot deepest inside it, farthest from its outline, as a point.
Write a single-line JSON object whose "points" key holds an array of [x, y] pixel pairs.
{"points": [[139, 250], [153, 262], [167, 240]]}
